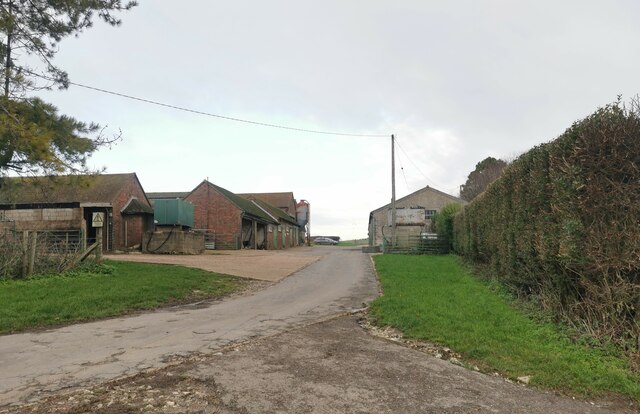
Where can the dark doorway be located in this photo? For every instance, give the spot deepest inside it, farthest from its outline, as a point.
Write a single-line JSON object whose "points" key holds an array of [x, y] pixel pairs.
{"points": [[107, 239]]}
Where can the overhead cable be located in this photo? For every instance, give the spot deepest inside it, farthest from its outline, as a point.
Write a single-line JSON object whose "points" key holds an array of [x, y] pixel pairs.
{"points": [[435, 185], [228, 118]]}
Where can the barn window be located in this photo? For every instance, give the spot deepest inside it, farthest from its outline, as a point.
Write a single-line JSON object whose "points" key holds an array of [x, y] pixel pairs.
{"points": [[428, 214]]}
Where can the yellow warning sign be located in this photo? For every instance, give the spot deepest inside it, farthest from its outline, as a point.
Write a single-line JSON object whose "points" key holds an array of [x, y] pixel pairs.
{"points": [[97, 220]]}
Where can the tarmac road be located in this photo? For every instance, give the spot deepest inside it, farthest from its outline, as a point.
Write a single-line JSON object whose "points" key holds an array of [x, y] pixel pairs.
{"points": [[283, 349], [36, 364], [334, 366]]}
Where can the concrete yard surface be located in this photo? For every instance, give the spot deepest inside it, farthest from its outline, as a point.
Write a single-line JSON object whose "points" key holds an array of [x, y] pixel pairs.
{"points": [[330, 367], [269, 265]]}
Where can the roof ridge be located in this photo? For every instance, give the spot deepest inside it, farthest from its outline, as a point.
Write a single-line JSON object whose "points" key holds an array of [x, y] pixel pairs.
{"points": [[416, 192], [240, 202], [47, 189]]}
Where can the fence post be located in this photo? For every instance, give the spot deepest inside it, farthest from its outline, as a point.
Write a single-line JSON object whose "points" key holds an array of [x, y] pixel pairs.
{"points": [[32, 252], [99, 241], [25, 252]]}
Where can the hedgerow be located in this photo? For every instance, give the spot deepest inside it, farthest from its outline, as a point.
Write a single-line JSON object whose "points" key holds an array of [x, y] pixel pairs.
{"points": [[562, 225]]}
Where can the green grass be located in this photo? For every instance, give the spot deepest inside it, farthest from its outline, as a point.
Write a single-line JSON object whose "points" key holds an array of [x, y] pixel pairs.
{"points": [[114, 288], [354, 242], [434, 298]]}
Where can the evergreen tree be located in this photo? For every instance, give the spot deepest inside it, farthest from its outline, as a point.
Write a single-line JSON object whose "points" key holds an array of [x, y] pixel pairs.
{"points": [[33, 136]]}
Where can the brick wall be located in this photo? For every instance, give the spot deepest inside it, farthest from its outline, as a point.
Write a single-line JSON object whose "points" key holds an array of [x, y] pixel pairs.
{"points": [[271, 229], [291, 235], [277, 238], [280, 233], [131, 189], [134, 230], [72, 218], [286, 235], [214, 212]]}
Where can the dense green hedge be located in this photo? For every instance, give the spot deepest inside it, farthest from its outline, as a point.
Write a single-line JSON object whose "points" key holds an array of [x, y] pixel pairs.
{"points": [[562, 224], [443, 222]]}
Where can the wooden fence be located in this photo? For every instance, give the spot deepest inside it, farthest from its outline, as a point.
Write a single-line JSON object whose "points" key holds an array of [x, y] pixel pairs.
{"points": [[28, 252]]}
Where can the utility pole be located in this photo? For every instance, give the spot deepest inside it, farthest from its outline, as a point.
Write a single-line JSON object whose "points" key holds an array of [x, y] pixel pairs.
{"points": [[393, 191]]}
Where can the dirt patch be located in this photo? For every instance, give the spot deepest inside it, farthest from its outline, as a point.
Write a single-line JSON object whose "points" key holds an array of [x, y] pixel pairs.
{"points": [[157, 392], [269, 265], [328, 367]]}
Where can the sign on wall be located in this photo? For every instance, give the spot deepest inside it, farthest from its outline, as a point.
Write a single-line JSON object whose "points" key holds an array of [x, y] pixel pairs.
{"points": [[414, 216], [97, 220]]}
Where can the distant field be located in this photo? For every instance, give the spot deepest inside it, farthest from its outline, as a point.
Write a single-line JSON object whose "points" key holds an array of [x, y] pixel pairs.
{"points": [[354, 242]]}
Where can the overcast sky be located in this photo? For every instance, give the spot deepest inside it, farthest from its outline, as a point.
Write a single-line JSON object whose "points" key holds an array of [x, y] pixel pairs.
{"points": [[455, 81]]}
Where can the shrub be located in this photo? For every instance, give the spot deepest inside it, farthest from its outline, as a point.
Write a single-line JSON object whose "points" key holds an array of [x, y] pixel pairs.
{"points": [[10, 255], [443, 221], [561, 224], [54, 252]]}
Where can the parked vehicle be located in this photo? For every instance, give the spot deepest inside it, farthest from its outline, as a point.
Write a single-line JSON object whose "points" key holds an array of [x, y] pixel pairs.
{"points": [[325, 241]]}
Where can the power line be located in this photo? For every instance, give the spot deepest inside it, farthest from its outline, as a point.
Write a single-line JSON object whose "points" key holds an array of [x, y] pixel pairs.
{"points": [[228, 118], [436, 185], [247, 121], [414, 164], [404, 175]]}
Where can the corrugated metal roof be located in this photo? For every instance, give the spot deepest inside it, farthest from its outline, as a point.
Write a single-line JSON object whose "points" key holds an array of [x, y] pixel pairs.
{"points": [[167, 195], [102, 188]]}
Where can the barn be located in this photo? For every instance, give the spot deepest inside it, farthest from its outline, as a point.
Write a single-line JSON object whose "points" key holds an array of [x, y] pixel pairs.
{"points": [[65, 205], [414, 213], [283, 235], [230, 221]]}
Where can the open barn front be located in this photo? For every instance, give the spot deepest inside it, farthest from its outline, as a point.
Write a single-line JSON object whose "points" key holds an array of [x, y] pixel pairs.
{"points": [[253, 234]]}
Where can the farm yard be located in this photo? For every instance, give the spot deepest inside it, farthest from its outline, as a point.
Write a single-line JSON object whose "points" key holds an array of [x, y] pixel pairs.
{"points": [[265, 265]]}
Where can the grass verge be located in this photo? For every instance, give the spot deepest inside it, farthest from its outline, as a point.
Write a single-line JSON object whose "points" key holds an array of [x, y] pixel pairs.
{"points": [[354, 242], [435, 298], [114, 288]]}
